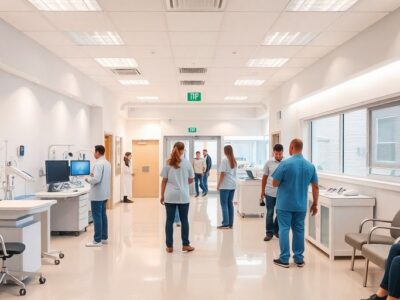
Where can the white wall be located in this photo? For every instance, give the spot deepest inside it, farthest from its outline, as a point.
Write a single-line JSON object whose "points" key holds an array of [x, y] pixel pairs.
{"points": [[364, 70]]}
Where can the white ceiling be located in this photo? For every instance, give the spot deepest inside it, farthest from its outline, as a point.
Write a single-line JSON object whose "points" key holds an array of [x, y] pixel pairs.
{"points": [[162, 41]]}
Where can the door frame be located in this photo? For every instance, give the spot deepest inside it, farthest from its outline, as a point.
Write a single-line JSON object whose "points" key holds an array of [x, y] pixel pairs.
{"points": [[110, 138]]}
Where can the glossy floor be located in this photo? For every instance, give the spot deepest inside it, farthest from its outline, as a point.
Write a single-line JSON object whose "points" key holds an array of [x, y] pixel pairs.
{"points": [[229, 264]]}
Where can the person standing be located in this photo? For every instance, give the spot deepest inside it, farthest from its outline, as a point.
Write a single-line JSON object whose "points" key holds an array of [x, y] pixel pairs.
{"points": [[226, 187], [269, 193], [292, 178], [208, 160], [177, 175], [199, 166], [127, 177], [100, 182]]}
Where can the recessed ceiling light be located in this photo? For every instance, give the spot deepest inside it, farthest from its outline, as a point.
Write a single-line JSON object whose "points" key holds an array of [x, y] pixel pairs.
{"points": [[96, 38], [249, 82], [66, 5], [134, 82], [320, 5], [147, 98], [236, 98], [266, 62], [289, 38], [117, 62]]}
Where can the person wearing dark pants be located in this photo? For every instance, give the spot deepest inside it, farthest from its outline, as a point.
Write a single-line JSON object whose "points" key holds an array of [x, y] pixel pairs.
{"points": [[183, 210], [269, 192], [100, 182], [177, 175], [199, 166], [390, 285], [206, 174], [292, 178], [226, 187]]}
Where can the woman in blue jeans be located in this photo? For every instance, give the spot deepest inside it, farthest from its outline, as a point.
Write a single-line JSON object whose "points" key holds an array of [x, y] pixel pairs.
{"points": [[177, 175], [226, 187], [390, 286]]}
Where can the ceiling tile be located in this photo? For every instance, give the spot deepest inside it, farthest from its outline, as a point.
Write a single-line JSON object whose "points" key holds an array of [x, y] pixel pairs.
{"points": [[305, 21], [27, 21], [286, 74], [257, 5], [147, 38], [82, 62], [193, 38], [277, 51], [195, 52], [376, 6], [238, 38], [154, 52], [229, 63], [131, 5], [333, 38], [80, 21], [353, 21], [193, 62], [139, 21], [194, 21], [232, 52], [300, 62], [313, 52], [108, 51], [50, 38], [16, 5], [248, 21], [68, 51]]}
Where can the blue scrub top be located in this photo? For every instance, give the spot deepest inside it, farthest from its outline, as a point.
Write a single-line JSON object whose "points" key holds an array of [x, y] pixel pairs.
{"points": [[295, 175]]}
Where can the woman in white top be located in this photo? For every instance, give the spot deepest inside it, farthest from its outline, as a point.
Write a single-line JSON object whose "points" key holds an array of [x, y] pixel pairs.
{"points": [[226, 187], [177, 176], [127, 177]]}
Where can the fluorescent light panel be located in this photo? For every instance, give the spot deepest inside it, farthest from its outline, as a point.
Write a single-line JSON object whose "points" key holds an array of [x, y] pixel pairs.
{"points": [[96, 38], [66, 5], [236, 98], [289, 38], [134, 82], [117, 62], [147, 98], [320, 5], [266, 62], [249, 82]]}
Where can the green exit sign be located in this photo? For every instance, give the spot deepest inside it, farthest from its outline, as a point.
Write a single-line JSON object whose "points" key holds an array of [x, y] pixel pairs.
{"points": [[192, 129], [194, 96]]}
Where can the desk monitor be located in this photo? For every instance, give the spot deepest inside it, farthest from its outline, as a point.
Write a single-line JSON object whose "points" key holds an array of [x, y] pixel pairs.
{"points": [[80, 167], [57, 171]]}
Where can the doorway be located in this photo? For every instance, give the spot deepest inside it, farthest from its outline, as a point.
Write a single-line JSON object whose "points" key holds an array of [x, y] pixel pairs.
{"points": [[198, 143], [145, 168], [275, 139], [108, 144]]}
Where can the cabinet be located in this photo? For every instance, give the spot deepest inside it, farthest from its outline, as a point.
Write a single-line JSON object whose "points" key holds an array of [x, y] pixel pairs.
{"points": [[337, 215], [248, 197]]}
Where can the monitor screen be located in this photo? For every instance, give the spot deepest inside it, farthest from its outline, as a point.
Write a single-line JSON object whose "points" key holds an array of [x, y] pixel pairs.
{"points": [[80, 167], [57, 171]]}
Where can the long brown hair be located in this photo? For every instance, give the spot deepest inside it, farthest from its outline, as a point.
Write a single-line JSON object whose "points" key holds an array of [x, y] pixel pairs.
{"points": [[175, 158], [228, 150], [126, 159]]}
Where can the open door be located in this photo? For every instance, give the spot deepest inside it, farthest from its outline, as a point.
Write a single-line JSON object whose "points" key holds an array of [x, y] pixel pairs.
{"points": [[108, 141]]}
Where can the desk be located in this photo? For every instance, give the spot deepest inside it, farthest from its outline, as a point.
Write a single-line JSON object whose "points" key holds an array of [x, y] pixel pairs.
{"points": [[13, 210], [248, 197], [71, 213], [337, 215]]}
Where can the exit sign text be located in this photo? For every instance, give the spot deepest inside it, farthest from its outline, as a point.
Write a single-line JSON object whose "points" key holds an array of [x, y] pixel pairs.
{"points": [[194, 96], [192, 129]]}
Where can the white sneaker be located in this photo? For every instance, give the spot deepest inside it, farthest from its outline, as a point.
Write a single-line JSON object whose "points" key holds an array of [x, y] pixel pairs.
{"points": [[94, 244], [104, 242]]}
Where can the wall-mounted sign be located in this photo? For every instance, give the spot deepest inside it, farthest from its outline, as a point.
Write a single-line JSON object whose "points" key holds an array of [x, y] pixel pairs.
{"points": [[194, 96], [192, 129]]}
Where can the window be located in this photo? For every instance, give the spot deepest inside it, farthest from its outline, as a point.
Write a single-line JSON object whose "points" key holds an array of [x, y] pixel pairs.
{"points": [[326, 144], [385, 141]]}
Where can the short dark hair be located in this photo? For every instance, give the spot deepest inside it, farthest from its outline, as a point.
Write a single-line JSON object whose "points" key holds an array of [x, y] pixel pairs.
{"points": [[278, 148], [197, 152], [100, 149], [205, 150]]}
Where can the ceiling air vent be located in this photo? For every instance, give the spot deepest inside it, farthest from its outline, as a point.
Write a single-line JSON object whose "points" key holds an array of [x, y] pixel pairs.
{"points": [[196, 5], [192, 70], [126, 71], [192, 82]]}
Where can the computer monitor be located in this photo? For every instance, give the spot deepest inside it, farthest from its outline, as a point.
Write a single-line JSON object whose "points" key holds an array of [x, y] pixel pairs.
{"points": [[57, 171], [250, 174], [80, 167]]}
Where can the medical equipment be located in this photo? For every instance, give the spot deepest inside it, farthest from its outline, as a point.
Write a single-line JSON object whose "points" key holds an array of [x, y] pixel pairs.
{"points": [[8, 184], [52, 151]]}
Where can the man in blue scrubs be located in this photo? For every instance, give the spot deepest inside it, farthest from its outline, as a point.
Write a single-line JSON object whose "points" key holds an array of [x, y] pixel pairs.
{"points": [[293, 177]]}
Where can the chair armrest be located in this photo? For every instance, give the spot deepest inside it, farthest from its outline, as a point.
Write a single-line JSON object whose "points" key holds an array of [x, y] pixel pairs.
{"points": [[380, 227], [3, 246], [372, 220]]}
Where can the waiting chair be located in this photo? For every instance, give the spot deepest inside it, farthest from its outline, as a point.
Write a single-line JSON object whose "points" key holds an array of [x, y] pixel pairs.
{"points": [[8, 250], [378, 253], [359, 239]]}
